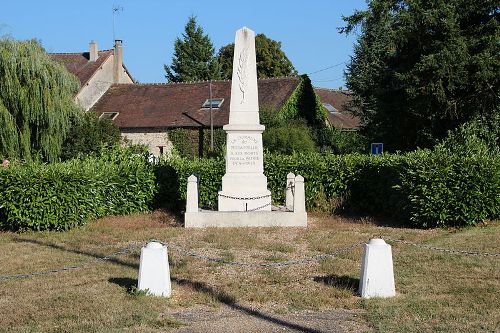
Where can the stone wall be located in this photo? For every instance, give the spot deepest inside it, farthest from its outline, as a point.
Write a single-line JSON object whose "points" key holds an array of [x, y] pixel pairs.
{"points": [[156, 139]]}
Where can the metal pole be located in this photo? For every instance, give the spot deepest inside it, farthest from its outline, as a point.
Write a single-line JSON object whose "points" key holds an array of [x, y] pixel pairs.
{"points": [[211, 120]]}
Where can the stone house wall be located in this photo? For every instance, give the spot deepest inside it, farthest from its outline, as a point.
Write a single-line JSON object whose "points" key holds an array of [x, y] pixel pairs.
{"points": [[99, 84], [156, 139]]}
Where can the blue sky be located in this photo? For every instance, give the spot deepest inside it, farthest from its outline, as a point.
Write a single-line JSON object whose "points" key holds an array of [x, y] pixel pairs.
{"points": [[306, 29]]}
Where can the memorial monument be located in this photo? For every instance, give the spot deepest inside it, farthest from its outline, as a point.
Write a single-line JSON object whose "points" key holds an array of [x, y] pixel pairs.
{"points": [[244, 200], [244, 186]]}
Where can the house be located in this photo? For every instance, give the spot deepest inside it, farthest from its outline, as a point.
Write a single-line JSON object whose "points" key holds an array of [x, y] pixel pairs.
{"points": [[146, 112], [336, 102], [96, 70]]}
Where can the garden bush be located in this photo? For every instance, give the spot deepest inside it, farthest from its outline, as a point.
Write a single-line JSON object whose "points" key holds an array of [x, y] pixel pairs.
{"points": [[60, 196], [425, 188]]}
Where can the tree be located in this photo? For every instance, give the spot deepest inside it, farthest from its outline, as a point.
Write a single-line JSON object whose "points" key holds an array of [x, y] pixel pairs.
{"points": [[36, 101], [421, 68], [271, 60], [87, 134], [194, 57]]}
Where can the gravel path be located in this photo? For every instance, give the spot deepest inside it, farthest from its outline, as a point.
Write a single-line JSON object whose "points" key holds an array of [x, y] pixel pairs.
{"points": [[240, 319]]}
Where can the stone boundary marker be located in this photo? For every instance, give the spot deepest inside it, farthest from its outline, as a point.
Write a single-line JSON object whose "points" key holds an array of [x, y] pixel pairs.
{"points": [[375, 248]]}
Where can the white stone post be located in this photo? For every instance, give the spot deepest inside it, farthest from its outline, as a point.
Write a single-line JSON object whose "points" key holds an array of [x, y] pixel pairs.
{"points": [[192, 195], [377, 275], [154, 272], [299, 198], [290, 183]]}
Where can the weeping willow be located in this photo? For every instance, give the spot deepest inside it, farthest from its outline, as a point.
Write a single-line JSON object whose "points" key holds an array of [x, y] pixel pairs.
{"points": [[36, 102]]}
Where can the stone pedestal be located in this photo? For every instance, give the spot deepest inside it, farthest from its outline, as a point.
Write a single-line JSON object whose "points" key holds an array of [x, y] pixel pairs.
{"points": [[377, 275], [154, 272]]}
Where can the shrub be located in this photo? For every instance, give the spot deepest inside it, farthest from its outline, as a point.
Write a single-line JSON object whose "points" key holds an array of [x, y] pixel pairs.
{"points": [[443, 189], [289, 138], [426, 188], [60, 196], [87, 134]]}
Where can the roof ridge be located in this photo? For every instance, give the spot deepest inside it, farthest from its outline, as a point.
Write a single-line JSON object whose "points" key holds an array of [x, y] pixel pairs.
{"points": [[63, 53], [334, 89], [201, 81]]}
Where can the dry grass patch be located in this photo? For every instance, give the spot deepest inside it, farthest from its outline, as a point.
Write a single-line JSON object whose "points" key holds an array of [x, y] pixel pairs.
{"points": [[436, 291]]}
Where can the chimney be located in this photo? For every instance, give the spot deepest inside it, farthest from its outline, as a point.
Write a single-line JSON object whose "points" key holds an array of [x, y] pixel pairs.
{"points": [[93, 55], [118, 61]]}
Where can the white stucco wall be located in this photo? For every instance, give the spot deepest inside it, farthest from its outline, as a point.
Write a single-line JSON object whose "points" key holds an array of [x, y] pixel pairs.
{"points": [[99, 84], [153, 138]]}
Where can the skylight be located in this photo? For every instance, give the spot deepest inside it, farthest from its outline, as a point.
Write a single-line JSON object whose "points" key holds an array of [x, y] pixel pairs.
{"points": [[108, 115], [330, 108], [216, 103]]}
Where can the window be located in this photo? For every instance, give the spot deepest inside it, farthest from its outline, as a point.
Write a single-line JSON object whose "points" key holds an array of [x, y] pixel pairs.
{"points": [[216, 103], [330, 108], [108, 115], [160, 148]]}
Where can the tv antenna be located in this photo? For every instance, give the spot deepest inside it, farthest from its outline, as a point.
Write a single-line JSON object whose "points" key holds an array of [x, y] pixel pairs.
{"points": [[116, 10]]}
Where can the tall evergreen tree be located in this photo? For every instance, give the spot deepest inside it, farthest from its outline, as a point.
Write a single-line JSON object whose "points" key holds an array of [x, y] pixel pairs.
{"points": [[194, 56], [36, 101], [421, 68], [271, 60]]}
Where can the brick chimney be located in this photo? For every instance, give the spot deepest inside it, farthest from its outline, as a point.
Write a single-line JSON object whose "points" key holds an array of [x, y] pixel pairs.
{"points": [[118, 61], [93, 54]]}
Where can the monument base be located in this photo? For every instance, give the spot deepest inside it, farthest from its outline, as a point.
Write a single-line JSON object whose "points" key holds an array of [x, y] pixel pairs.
{"points": [[234, 202], [209, 218]]}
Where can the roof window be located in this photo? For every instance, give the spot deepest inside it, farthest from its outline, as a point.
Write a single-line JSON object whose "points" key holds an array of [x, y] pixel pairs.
{"points": [[330, 108], [108, 115], [216, 103]]}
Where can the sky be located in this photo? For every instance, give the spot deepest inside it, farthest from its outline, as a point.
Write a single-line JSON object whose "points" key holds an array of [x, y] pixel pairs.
{"points": [[307, 30]]}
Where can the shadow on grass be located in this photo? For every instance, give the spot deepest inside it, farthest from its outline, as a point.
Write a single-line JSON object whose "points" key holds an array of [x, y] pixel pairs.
{"points": [[130, 284], [126, 283], [341, 282]]}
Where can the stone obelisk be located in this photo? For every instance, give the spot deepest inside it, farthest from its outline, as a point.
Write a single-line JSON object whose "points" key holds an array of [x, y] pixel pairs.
{"points": [[244, 186]]}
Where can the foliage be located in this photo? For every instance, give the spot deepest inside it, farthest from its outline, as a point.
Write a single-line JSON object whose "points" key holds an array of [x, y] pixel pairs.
{"points": [[87, 134], [194, 58], [36, 102], [59, 196], [422, 68], [304, 103], [271, 60], [288, 138], [189, 142], [444, 189], [426, 188], [334, 140]]}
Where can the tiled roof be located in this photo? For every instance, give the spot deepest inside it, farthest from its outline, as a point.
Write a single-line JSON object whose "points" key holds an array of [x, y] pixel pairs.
{"points": [[179, 104], [339, 99], [79, 64]]}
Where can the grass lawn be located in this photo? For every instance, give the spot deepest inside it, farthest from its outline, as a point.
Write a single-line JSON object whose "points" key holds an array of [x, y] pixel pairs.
{"points": [[436, 291]]}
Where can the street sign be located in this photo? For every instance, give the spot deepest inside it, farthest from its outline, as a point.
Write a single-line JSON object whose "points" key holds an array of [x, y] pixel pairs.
{"points": [[377, 148]]}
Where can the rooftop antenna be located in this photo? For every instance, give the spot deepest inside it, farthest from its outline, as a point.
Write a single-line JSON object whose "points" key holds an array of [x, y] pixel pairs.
{"points": [[116, 10]]}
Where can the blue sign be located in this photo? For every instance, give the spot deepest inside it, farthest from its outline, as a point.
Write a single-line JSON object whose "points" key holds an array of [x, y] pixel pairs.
{"points": [[377, 148]]}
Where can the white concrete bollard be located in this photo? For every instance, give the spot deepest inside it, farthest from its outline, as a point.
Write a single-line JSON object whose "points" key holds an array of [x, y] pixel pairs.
{"points": [[154, 272], [299, 198], [377, 274], [290, 183], [192, 195]]}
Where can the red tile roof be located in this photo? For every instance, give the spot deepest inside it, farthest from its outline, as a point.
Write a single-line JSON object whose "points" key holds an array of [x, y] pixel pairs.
{"points": [[339, 99], [79, 64], [179, 104]]}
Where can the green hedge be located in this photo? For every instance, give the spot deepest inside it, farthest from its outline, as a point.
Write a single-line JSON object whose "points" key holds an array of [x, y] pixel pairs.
{"points": [[442, 189], [425, 188], [59, 196]]}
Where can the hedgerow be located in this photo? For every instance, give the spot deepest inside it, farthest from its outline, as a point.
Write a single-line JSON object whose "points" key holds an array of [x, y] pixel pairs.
{"points": [[425, 188], [59, 196]]}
